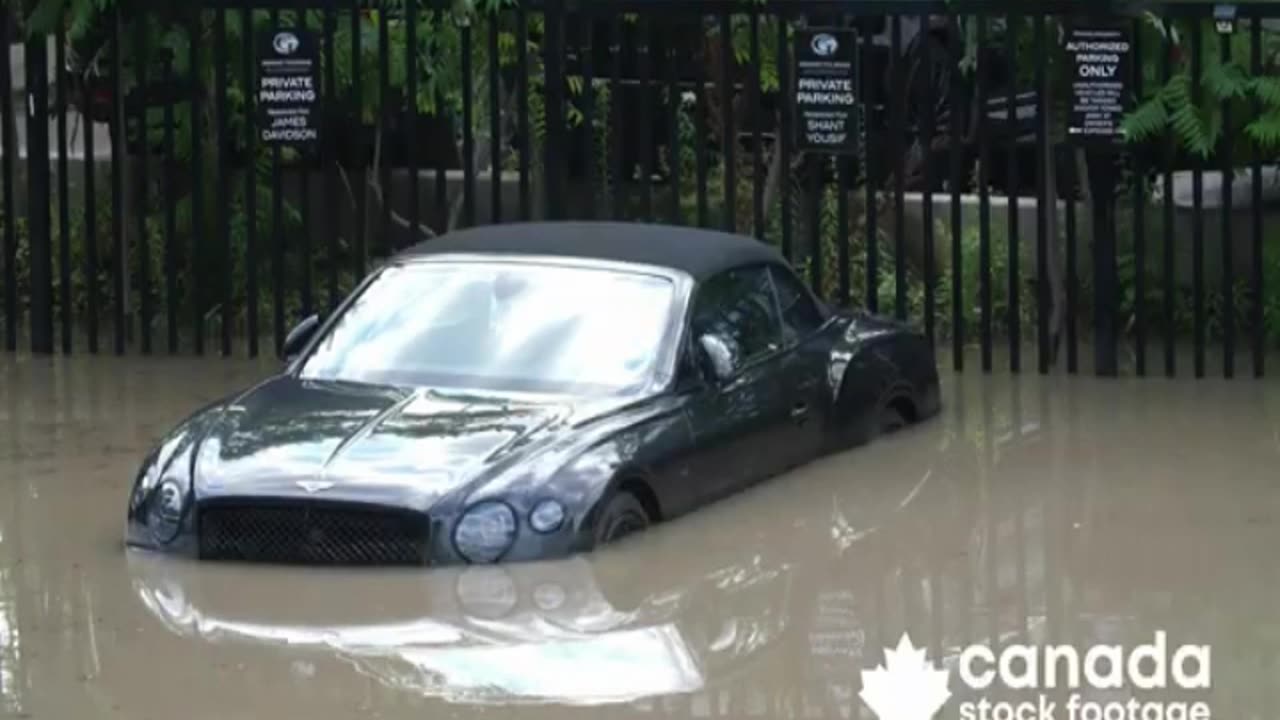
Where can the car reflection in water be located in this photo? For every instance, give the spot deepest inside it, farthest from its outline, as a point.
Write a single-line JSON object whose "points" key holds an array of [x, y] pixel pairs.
{"points": [[772, 588], [546, 632]]}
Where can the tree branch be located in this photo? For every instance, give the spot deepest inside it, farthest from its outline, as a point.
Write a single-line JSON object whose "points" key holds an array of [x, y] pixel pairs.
{"points": [[374, 182], [488, 152], [772, 178]]}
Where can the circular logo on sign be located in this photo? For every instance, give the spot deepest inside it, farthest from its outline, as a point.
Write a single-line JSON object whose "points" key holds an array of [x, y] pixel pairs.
{"points": [[286, 43], [824, 45]]}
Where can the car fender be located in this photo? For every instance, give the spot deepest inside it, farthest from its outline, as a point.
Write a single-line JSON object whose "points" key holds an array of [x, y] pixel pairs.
{"points": [[622, 478], [186, 435], [177, 449], [649, 453]]}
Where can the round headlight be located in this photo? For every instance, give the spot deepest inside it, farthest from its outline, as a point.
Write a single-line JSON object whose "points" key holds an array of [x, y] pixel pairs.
{"points": [[547, 516], [485, 532], [164, 511]]}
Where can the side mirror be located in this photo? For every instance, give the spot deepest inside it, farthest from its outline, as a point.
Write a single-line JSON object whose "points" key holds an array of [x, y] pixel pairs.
{"points": [[299, 336], [717, 356]]}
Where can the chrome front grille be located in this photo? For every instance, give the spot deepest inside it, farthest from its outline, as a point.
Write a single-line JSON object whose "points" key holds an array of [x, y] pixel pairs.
{"points": [[310, 533]]}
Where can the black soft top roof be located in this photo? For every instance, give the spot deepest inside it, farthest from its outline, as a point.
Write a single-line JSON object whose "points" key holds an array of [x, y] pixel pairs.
{"points": [[698, 252]]}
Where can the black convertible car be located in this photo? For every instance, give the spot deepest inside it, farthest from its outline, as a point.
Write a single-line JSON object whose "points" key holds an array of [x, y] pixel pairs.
{"points": [[527, 391]]}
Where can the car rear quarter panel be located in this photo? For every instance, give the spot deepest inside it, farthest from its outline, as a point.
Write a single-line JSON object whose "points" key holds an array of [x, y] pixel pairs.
{"points": [[875, 361], [914, 359]]}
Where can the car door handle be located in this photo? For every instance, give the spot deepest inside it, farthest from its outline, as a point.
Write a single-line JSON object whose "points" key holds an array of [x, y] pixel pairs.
{"points": [[799, 410]]}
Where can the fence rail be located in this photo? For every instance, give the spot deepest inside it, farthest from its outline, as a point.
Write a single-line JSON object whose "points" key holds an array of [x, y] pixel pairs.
{"points": [[144, 207]]}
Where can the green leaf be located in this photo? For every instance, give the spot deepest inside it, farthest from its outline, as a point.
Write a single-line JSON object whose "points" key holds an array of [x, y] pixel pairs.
{"points": [[1226, 82], [1146, 121], [1211, 119], [1186, 124], [1176, 92], [1265, 131], [1267, 89]]}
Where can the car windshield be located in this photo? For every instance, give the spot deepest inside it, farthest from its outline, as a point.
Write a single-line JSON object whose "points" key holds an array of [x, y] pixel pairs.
{"points": [[500, 326]]}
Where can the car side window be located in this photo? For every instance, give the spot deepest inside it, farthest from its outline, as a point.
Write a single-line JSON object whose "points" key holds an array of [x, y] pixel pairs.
{"points": [[800, 315], [738, 306]]}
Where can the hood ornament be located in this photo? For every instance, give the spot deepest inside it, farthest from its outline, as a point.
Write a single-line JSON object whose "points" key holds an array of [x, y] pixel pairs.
{"points": [[314, 486]]}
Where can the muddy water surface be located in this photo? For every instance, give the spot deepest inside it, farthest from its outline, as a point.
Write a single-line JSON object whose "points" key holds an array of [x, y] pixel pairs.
{"points": [[1033, 511]]}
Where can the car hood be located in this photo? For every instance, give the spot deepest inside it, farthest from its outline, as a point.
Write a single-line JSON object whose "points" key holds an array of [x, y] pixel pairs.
{"points": [[366, 443]]}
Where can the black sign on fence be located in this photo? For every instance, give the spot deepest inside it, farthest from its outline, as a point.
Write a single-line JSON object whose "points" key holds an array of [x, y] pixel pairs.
{"points": [[1100, 58], [1224, 19], [288, 88], [826, 99]]}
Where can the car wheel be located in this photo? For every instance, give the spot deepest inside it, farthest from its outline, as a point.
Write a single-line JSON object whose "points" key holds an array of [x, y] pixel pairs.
{"points": [[622, 515], [891, 420]]}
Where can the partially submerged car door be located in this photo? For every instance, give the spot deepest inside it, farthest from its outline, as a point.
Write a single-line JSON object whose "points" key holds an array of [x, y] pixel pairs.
{"points": [[739, 421], [803, 368]]}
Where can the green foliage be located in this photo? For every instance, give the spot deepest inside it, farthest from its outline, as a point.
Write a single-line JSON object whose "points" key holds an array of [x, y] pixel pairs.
{"points": [[175, 32], [1148, 119], [1227, 82], [763, 57], [971, 284], [1199, 125], [1267, 89], [1166, 108], [195, 281], [1265, 130], [80, 281]]}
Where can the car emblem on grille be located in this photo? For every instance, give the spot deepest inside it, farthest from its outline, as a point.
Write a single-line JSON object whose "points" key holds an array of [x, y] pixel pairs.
{"points": [[314, 486]]}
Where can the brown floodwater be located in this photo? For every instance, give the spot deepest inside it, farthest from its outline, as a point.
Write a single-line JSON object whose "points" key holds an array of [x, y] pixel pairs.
{"points": [[1034, 510]]}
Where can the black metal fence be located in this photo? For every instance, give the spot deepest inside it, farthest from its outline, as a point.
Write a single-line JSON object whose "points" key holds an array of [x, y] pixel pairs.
{"points": [[145, 206]]}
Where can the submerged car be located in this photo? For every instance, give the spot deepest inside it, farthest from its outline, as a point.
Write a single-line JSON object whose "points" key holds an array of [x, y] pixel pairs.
{"points": [[528, 391]]}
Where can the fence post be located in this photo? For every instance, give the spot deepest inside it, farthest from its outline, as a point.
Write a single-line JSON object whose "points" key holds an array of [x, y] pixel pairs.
{"points": [[1102, 188], [39, 196], [553, 149], [8, 151], [119, 203]]}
